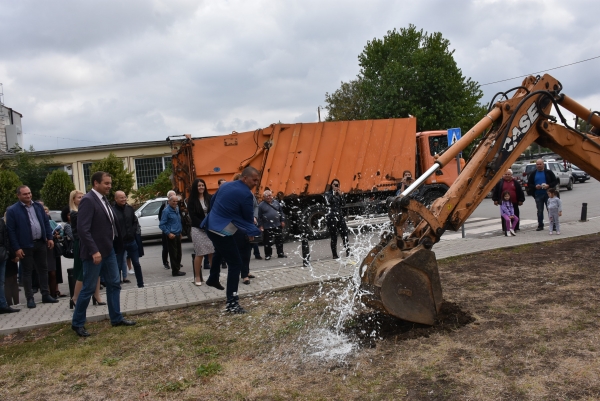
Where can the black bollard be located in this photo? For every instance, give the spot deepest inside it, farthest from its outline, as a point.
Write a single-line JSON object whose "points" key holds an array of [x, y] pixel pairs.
{"points": [[583, 212], [305, 252]]}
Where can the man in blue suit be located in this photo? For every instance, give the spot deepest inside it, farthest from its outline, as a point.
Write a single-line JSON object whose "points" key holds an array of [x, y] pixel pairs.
{"points": [[230, 226], [30, 236], [99, 235]]}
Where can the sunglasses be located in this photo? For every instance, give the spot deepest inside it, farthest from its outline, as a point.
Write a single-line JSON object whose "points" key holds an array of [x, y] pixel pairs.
{"points": [[335, 185]]}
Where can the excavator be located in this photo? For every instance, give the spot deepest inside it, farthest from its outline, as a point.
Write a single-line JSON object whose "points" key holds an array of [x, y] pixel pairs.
{"points": [[399, 276]]}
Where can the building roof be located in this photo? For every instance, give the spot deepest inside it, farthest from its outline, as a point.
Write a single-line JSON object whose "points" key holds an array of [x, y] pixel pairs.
{"points": [[97, 148]]}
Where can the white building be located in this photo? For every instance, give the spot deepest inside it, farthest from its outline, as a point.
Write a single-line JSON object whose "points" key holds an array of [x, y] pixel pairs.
{"points": [[11, 132]]}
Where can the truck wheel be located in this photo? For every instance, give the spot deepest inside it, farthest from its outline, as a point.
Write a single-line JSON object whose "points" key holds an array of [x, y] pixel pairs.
{"points": [[314, 219], [430, 196], [570, 185]]}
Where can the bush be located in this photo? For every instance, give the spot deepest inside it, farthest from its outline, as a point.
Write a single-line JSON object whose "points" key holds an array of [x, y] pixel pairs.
{"points": [[57, 187], [121, 179], [9, 182]]}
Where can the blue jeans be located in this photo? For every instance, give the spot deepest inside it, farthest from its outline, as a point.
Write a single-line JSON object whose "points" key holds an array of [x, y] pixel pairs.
{"points": [[228, 248], [132, 252], [109, 271], [540, 202], [3, 303]]}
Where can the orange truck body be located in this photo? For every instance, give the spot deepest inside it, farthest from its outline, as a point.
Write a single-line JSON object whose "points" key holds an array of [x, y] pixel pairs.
{"points": [[298, 161]]}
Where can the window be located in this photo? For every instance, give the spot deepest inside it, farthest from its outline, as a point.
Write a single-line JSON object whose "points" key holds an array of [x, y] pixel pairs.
{"points": [[151, 209], [437, 144], [146, 170], [87, 177]]}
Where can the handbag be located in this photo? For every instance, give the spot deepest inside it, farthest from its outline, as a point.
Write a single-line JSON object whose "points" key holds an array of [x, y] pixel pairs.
{"points": [[67, 245], [58, 249]]}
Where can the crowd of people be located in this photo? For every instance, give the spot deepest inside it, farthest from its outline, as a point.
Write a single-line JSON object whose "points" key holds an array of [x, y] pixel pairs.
{"points": [[541, 184], [104, 240]]}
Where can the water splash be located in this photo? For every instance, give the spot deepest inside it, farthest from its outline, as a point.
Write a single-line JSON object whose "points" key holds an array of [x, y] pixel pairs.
{"points": [[328, 341]]}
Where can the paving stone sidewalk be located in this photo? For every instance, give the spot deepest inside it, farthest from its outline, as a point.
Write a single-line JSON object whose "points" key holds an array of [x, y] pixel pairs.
{"points": [[178, 294]]}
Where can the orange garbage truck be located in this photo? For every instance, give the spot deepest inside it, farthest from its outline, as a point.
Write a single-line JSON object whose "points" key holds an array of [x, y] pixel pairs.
{"points": [[297, 162]]}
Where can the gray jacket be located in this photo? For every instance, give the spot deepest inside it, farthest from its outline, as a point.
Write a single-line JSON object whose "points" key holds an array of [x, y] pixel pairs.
{"points": [[555, 203], [270, 215]]}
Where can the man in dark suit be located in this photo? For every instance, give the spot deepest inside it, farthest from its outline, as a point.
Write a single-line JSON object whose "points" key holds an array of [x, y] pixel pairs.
{"points": [[30, 235], [98, 237]]}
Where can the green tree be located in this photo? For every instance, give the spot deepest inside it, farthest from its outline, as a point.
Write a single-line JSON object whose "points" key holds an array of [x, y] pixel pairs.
{"points": [[159, 187], [57, 187], [31, 172], [409, 72], [9, 182], [346, 103], [122, 180]]}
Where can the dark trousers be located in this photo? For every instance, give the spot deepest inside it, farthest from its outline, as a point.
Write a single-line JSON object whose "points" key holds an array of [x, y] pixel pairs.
{"points": [[256, 250], [174, 245], [337, 225], [273, 236], [541, 201], [132, 253], [228, 248], [35, 258], [517, 213], [165, 248]]}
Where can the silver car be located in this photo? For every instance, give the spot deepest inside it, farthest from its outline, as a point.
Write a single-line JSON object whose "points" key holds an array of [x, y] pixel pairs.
{"points": [[564, 176], [147, 216]]}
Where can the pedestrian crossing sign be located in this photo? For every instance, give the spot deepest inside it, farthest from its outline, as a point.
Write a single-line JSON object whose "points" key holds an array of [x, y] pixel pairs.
{"points": [[453, 135]]}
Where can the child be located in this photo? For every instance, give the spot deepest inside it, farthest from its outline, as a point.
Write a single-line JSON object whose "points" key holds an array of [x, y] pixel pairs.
{"points": [[508, 213], [554, 210]]}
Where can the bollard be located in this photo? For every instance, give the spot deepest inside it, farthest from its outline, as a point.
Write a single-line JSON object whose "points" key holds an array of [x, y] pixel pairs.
{"points": [[583, 212]]}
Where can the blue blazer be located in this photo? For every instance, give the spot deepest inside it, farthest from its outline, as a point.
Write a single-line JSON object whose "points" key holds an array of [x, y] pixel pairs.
{"points": [[94, 228], [232, 203], [19, 227]]}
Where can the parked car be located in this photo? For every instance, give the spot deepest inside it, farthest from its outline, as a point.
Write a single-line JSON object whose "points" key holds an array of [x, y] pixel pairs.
{"points": [[562, 174], [55, 214], [147, 216], [578, 174]]}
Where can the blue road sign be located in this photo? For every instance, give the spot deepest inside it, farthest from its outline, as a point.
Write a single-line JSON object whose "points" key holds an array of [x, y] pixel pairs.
{"points": [[453, 135]]}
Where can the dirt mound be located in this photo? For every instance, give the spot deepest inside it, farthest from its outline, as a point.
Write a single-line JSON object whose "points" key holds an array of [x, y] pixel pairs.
{"points": [[368, 327]]}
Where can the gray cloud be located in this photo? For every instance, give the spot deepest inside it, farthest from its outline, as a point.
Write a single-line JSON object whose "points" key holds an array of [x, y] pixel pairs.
{"points": [[126, 71]]}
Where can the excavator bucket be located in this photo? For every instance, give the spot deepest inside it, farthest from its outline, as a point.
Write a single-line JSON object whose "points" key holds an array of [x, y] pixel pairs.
{"points": [[403, 284]]}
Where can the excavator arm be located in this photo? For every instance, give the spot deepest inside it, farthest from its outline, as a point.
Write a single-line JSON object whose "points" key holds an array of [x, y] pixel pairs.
{"points": [[400, 275]]}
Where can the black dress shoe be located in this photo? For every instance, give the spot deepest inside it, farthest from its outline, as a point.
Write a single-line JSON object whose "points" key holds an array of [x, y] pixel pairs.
{"points": [[30, 303], [282, 256], [47, 299], [178, 274], [124, 322], [81, 331], [258, 257], [539, 229], [216, 285], [126, 281], [8, 309], [251, 276]]}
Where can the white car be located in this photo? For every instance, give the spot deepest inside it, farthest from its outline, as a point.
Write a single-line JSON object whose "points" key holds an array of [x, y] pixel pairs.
{"points": [[147, 216]]}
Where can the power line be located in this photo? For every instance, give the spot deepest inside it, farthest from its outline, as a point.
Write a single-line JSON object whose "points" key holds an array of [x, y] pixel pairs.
{"points": [[534, 73], [60, 137]]}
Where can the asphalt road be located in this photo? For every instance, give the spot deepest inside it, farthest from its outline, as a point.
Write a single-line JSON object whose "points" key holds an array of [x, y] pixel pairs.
{"points": [[155, 274]]}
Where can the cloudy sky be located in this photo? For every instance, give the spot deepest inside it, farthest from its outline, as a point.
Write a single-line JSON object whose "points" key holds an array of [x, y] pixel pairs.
{"points": [[91, 72]]}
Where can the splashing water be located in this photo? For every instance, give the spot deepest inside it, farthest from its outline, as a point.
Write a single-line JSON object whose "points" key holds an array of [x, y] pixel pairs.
{"points": [[344, 300], [328, 345]]}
